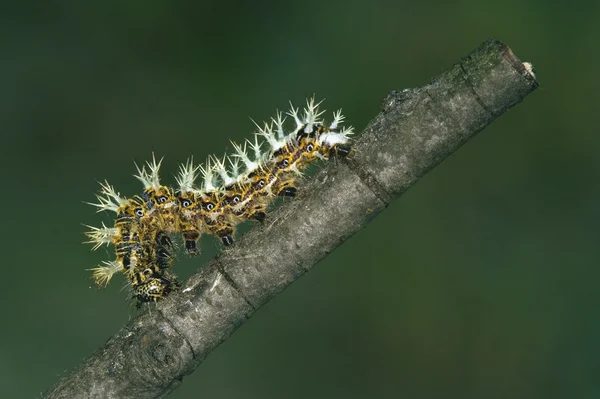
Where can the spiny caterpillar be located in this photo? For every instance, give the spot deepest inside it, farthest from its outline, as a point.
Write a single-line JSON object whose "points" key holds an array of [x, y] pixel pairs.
{"points": [[234, 189]]}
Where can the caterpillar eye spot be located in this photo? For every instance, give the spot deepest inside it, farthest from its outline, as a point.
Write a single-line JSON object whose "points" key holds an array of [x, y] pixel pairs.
{"points": [[139, 212], [209, 206], [162, 199], [185, 203], [310, 148], [235, 199]]}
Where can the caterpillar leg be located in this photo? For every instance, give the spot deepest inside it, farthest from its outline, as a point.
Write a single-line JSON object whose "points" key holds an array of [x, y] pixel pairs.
{"points": [[222, 229], [260, 216], [191, 247], [190, 237], [287, 192], [340, 151], [255, 209], [164, 247], [221, 225], [225, 231], [227, 240], [286, 186]]}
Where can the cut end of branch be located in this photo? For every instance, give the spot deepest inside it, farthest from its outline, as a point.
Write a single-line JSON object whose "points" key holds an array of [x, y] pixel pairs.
{"points": [[525, 68]]}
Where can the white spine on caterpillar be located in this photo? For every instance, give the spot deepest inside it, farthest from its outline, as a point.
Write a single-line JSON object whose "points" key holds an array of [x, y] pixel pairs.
{"points": [[150, 177], [312, 114], [221, 169], [332, 138], [279, 125], [267, 133], [209, 183], [108, 199], [188, 173], [234, 165], [103, 274], [242, 154], [100, 235], [337, 119]]}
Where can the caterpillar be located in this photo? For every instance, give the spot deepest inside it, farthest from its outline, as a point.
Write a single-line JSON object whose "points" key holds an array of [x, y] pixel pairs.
{"points": [[234, 188]]}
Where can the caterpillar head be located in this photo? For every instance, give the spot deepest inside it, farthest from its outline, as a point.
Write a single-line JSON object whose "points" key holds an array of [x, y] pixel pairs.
{"points": [[153, 289]]}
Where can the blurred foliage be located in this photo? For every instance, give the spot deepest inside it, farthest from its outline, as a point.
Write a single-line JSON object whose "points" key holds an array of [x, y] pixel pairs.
{"points": [[480, 282]]}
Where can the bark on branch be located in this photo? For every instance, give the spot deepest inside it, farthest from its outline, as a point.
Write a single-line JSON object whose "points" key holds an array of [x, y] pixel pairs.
{"points": [[416, 130]]}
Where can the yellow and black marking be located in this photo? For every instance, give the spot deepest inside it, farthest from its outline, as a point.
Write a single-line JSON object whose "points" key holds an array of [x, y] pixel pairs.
{"points": [[189, 224], [216, 218]]}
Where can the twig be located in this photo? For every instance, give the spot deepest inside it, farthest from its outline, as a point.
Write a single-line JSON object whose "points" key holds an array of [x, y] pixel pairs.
{"points": [[416, 129]]}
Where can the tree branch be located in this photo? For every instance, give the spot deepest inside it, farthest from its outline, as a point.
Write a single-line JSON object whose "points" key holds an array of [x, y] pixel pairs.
{"points": [[416, 130]]}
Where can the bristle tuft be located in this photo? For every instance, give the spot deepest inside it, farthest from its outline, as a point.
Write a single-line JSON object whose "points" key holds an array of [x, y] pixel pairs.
{"points": [[311, 114], [266, 132], [208, 176], [103, 274], [150, 177], [337, 119], [221, 169], [100, 235], [242, 154], [108, 199], [188, 173], [279, 120]]}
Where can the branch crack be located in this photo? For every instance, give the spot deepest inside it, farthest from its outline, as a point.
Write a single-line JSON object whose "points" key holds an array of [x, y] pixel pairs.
{"points": [[477, 97], [369, 181], [234, 284]]}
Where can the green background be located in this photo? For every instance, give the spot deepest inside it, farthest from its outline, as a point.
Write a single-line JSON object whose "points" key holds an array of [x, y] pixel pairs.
{"points": [[480, 282]]}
